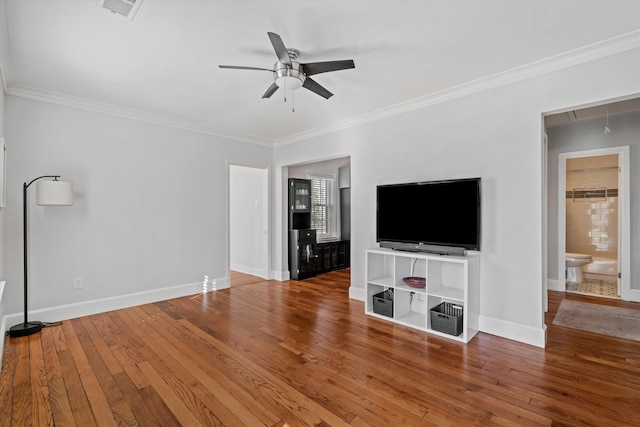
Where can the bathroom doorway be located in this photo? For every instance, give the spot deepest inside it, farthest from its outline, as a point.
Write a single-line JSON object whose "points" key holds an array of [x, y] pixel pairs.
{"points": [[591, 232]]}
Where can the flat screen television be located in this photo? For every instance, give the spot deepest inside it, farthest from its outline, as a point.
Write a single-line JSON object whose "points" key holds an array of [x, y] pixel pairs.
{"points": [[434, 216]]}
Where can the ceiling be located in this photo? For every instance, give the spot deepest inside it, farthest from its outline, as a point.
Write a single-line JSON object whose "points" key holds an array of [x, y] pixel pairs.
{"points": [[163, 64], [594, 112]]}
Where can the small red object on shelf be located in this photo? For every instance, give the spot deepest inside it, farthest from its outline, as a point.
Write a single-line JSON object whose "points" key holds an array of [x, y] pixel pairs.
{"points": [[415, 282]]}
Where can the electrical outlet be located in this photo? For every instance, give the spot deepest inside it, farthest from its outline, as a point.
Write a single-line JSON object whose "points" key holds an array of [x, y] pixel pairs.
{"points": [[78, 283]]}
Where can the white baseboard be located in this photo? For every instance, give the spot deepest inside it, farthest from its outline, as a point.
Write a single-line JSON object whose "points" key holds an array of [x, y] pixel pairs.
{"points": [[514, 331], [631, 295], [249, 270], [556, 285], [87, 308], [280, 276], [219, 284], [357, 293]]}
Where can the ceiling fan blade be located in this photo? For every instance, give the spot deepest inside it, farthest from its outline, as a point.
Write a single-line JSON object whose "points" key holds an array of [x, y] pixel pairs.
{"points": [[324, 67], [313, 86], [272, 89], [281, 50], [240, 67]]}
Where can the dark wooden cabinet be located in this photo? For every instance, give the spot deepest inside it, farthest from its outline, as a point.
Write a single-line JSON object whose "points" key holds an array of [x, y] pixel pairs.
{"points": [[299, 204], [332, 255], [303, 256]]}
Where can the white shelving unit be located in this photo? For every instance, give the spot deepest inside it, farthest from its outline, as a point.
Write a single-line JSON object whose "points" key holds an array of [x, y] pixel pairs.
{"points": [[451, 279]]}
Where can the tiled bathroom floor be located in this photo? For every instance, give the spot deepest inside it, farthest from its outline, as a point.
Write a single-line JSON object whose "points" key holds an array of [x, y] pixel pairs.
{"points": [[596, 287]]}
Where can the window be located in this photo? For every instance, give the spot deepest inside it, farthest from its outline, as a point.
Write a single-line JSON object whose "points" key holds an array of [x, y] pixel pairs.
{"points": [[323, 209]]}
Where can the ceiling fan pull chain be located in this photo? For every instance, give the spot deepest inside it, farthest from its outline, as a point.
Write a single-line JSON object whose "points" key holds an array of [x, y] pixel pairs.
{"points": [[293, 102], [285, 90]]}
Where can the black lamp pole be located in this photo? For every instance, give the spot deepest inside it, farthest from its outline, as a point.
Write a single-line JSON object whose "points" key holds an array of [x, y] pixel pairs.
{"points": [[27, 328]]}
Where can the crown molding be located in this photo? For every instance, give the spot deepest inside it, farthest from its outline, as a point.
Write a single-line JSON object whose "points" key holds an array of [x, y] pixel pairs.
{"points": [[558, 62], [24, 91]]}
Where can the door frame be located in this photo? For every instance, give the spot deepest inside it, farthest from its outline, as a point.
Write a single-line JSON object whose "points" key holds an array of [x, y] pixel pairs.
{"points": [[624, 217]]}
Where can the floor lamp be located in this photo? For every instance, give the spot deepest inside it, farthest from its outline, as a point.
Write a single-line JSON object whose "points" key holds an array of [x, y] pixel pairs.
{"points": [[48, 193]]}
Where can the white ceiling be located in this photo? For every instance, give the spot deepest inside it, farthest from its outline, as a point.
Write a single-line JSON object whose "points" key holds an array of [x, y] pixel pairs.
{"points": [[163, 64]]}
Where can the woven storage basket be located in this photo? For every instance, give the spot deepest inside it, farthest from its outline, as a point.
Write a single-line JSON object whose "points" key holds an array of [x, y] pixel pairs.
{"points": [[383, 303], [447, 317]]}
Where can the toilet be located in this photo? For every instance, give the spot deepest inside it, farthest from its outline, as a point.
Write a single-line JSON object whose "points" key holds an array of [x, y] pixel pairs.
{"points": [[573, 263]]}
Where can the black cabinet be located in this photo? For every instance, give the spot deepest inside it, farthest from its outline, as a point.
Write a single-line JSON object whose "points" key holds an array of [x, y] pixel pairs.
{"points": [[299, 204], [303, 258], [333, 255]]}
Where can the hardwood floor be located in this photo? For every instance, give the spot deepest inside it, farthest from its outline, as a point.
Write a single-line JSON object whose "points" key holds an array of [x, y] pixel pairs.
{"points": [[303, 353]]}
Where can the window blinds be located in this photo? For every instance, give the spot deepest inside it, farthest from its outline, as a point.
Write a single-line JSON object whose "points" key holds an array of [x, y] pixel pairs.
{"points": [[323, 216]]}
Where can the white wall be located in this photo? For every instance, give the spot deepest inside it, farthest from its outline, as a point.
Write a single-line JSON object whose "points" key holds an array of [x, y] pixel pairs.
{"points": [[248, 225], [495, 134], [3, 55], [331, 167], [150, 210]]}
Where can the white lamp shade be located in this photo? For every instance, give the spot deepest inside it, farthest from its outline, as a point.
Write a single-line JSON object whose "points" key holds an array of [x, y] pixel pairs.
{"points": [[54, 193]]}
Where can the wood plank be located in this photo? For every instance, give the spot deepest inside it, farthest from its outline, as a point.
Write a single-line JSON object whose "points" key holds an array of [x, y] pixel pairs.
{"points": [[120, 409], [40, 403], [6, 384], [144, 413], [99, 404], [80, 409], [173, 401], [100, 344]]}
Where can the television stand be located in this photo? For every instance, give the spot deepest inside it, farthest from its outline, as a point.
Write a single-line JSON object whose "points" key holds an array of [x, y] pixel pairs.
{"points": [[453, 280]]}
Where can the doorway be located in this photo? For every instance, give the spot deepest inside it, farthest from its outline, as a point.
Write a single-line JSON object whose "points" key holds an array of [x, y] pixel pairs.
{"points": [[248, 221], [592, 186], [593, 219]]}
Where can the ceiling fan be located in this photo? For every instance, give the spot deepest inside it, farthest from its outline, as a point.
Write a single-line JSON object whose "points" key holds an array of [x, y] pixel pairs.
{"points": [[290, 74]]}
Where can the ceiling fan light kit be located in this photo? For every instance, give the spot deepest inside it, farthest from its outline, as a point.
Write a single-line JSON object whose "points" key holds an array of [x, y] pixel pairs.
{"points": [[289, 74]]}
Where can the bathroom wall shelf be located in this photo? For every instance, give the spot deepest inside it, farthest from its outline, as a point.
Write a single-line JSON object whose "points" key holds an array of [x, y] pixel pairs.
{"points": [[451, 279]]}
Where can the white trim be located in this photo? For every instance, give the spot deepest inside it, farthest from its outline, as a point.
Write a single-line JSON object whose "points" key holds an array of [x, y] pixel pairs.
{"points": [[280, 276], [358, 294], [545, 215], [561, 61], [556, 285], [514, 331], [624, 221], [249, 270], [219, 284], [87, 308], [37, 94]]}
